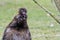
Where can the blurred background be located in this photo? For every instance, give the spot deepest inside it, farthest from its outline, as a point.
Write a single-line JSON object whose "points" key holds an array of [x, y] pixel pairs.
{"points": [[41, 25]]}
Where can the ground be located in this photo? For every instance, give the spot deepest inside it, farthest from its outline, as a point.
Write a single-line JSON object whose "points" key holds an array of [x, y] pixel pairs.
{"points": [[42, 26]]}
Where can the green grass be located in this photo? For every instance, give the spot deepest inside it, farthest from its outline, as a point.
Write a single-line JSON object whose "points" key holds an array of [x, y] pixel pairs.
{"points": [[38, 21]]}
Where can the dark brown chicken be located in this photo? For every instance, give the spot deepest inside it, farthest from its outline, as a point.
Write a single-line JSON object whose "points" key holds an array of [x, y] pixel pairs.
{"points": [[18, 28]]}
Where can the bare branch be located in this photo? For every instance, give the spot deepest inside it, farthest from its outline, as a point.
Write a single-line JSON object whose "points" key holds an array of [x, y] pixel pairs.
{"points": [[47, 11]]}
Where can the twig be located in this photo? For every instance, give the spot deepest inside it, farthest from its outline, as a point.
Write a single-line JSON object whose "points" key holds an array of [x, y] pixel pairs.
{"points": [[47, 11]]}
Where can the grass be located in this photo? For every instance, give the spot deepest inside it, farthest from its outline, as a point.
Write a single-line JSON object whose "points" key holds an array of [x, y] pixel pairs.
{"points": [[38, 21]]}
